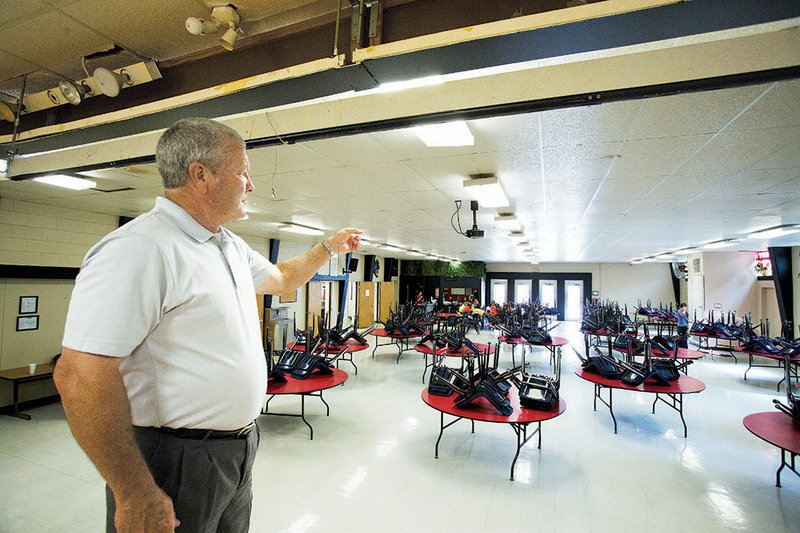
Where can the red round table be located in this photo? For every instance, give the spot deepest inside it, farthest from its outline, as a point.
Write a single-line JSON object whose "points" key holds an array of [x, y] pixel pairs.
{"points": [[313, 385], [780, 362], [399, 340], [780, 430], [482, 411], [464, 352], [343, 350], [674, 391], [553, 345]]}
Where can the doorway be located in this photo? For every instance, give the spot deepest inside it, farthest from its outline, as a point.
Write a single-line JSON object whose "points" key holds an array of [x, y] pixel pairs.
{"points": [[499, 291], [547, 293], [573, 297], [522, 291]]}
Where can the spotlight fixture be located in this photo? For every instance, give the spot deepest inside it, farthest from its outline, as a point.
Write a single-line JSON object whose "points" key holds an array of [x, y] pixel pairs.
{"points": [[72, 92], [110, 82], [222, 17], [6, 113]]}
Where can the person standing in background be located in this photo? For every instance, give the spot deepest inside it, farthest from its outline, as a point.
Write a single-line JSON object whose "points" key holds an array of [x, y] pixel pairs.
{"points": [[683, 326]]}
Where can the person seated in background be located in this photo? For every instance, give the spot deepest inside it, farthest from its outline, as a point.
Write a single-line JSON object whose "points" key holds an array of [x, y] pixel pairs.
{"points": [[465, 308]]}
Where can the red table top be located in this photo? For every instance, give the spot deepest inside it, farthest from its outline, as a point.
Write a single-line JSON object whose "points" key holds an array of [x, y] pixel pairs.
{"points": [[483, 411], [349, 346], [795, 359], [447, 315], [381, 332], [683, 353], [555, 341], [775, 427], [313, 383], [463, 352], [684, 385]]}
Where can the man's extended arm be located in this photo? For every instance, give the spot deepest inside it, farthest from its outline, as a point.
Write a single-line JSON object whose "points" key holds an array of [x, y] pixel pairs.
{"points": [[98, 412], [292, 273]]}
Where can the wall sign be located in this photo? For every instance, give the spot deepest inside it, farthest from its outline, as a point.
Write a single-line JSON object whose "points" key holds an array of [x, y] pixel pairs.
{"points": [[28, 304], [27, 323]]}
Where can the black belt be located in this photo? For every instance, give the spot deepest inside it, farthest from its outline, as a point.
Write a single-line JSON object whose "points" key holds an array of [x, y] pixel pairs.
{"points": [[207, 434]]}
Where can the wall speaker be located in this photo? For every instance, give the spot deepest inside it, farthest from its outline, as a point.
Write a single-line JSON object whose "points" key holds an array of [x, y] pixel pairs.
{"points": [[353, 265]]}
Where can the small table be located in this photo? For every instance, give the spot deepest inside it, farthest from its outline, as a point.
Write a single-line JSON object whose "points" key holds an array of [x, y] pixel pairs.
{"points": [[441, 353], [674, 391], [553, 345], [482, 411], [343, 351], [780, 430], [780, 362], [21, 375], [313, 385], [684, 354], [729, 348], [398, 339]]}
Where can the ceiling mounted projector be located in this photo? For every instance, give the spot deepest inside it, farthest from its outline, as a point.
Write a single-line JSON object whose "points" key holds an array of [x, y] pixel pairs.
{"points": [[109, 82]]}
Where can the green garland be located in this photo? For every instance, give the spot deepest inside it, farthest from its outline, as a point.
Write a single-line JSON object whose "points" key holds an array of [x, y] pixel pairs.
{"points": [[465, 269]]}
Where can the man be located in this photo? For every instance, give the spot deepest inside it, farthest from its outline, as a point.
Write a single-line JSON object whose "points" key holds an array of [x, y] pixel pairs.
{"points": [[683, 326], [162, 371]]}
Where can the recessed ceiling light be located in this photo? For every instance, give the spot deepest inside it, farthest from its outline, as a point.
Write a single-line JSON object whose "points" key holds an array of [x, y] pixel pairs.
{"points": [[302, 230], [410, 84], [448, 134], [487, 190], [507, 221], [721, 244], [67, 182], [777, 231]]}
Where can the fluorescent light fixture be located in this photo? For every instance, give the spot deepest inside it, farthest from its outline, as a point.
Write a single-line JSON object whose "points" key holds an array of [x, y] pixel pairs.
{"points": [[448, 134], [777, 231], [664, 257], [67, 182], [684, 251], [393, 86], [416, 254], [517, 236], [721, 244], [302, 230], [487, 191], [649, 260], [636, 262], [523, 244], [391, 248], [3, 166], [507, 221]]}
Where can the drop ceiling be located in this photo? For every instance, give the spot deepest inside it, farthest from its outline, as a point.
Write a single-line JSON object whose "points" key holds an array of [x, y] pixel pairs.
{"points": [[605, 183]]}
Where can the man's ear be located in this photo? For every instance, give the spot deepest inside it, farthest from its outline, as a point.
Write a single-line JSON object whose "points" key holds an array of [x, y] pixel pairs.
{"points": [[197, 174]]}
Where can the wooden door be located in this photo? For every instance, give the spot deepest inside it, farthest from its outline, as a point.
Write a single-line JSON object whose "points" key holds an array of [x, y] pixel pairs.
{"points": [[314, 303], [366, 304], [385, 300]]}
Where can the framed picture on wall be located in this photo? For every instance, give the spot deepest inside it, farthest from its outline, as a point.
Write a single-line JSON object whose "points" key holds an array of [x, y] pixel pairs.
{"points": [[27, 323], [28, 304]]}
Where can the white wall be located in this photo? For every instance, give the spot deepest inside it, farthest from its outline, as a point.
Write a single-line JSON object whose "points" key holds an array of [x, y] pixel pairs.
{"points": [[730, 283], [796, 288], [623, 283]]}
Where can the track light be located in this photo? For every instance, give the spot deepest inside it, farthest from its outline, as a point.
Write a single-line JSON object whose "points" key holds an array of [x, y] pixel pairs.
{"points": [[228, 39], [6, 113], [222, 17], [198, 26], [109, 82], [72, 92]]}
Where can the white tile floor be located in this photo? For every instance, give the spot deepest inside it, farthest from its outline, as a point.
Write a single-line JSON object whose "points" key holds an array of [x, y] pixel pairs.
{"points": [[371, 468]]}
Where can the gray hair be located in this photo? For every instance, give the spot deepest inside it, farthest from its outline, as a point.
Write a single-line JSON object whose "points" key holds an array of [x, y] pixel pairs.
{"points": [[192, 139]]}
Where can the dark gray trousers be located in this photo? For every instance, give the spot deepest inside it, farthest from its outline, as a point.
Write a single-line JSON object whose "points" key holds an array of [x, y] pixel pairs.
{"points": [[209, 481]]}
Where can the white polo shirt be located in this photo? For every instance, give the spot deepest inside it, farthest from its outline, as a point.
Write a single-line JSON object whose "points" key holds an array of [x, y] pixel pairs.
{"points": [[178, 302]]}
